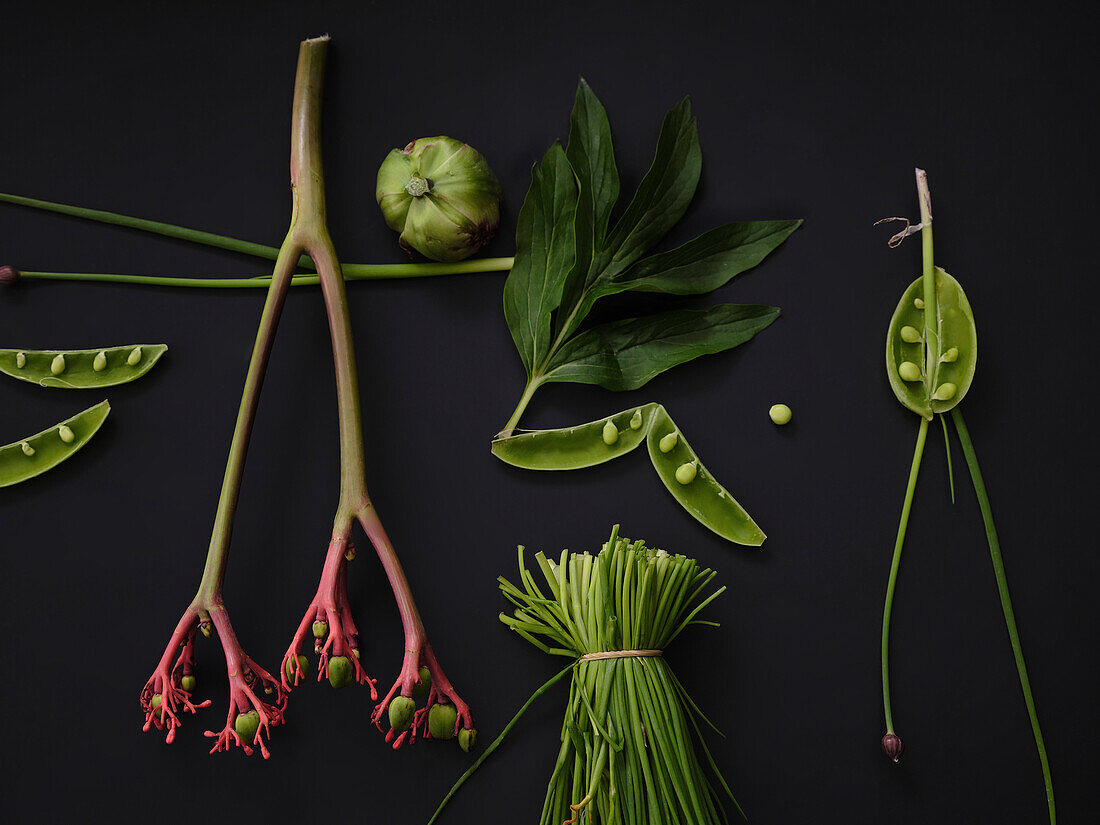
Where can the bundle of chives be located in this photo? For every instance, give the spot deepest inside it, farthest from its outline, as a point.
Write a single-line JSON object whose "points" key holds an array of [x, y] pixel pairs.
{"points": [[626, 753]]}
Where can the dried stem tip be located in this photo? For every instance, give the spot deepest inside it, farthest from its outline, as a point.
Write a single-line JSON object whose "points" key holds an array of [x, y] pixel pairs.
{"points": [[9, 274]]}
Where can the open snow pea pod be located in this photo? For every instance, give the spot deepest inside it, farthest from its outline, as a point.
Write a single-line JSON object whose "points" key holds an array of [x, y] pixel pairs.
{"points": [[694, 487], [34, 455], [931, 364], [81, 369], [572, 448]]}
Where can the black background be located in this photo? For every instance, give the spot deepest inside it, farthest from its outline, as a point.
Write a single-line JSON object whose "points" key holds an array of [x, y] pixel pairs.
{"points": [[805, 110]]}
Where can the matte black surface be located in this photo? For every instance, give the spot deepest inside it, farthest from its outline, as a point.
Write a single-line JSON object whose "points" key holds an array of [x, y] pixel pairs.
{"points": [[804, 112]]}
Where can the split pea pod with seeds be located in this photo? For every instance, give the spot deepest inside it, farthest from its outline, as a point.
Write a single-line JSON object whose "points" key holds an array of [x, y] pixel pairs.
{"points": [[81, 369], [34, 455], [931, 353], [676, 463]]}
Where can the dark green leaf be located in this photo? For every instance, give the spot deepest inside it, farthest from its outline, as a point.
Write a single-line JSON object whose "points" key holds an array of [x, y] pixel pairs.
{"points": [[709, 261], [662, 197], [545, 253], [592, 157], [624, 355]]}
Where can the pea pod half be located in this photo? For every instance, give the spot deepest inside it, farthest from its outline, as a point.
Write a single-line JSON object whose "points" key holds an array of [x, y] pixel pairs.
{"points": [[931, 365], [81, 369], [34, 455], [678, 466]]}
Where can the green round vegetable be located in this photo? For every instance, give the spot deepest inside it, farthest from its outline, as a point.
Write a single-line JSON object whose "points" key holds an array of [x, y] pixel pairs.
{"points": [[401, 712], [467, 739], [320, 629], [908, 371], [441, 195], [421, 688], [780, 414], [189, 683], [340, 671], [246, 726], [441, 721]]}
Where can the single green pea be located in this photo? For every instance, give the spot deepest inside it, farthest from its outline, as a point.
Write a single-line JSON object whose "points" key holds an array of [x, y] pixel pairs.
{"points": [[401, 713], [945, 392], [918, 303], [910, 335], [303, 665], [780, 414], [950, 356], [246, 725], [909, 371], [320, 629], [610, 433], [668, 442], [424, 684], [686, 473], [636, 420], [189, 683], [467, 739], [83, 368], [29, 457], [340, 671], [441, 721]]}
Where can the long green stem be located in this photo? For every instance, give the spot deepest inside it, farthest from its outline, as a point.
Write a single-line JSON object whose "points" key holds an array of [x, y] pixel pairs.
{"points": [[351, 271], [914, 471], [496, 742], [1006, 601], [525, 399]]}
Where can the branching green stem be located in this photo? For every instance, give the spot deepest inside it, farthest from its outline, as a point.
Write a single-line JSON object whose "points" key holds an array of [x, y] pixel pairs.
{"points": [[895, 563], [1006, 601]]}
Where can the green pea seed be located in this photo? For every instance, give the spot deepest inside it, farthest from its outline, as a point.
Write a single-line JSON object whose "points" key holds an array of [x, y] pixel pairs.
{"points": [[27, 449], [20, 359], [100, 362], [57, 366], [686, 473], [909, 371], [636, 420], [951, 356], [189, 683], [668, 442], [65, 434], [134, 357], [945, 392], [910, 335], [610, 433], [780, 414], [918, 303]]}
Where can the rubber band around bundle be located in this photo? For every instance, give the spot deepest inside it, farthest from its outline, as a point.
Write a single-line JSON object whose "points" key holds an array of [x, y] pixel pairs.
{"points": [[619, 654]]}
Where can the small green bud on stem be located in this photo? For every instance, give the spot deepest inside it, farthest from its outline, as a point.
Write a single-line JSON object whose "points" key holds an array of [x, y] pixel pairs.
{"points": [[401, 713], [303, 665], [423, 684], [467, 739], [246, 726], [339, 671], [320, 629], [188, 683], [441, 721]]}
